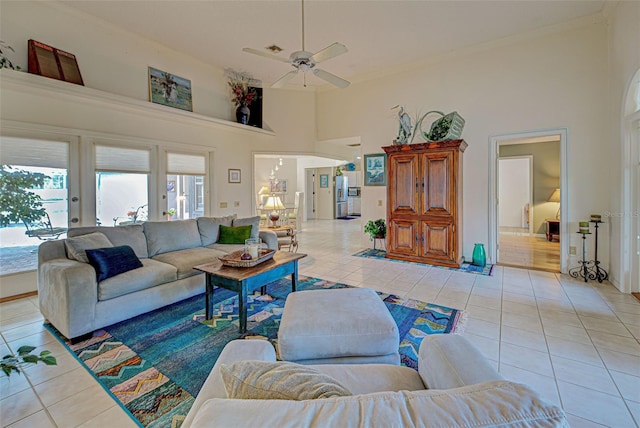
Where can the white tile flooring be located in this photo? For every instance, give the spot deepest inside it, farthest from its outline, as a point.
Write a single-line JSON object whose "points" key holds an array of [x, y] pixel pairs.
{"points": [[574, 342]]}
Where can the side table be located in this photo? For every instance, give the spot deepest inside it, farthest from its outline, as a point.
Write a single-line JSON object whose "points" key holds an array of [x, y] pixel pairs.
{"points": [[552, 229]]}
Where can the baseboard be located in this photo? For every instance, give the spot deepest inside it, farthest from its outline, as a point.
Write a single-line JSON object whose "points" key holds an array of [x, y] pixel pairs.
{"points": [[18, 296]]}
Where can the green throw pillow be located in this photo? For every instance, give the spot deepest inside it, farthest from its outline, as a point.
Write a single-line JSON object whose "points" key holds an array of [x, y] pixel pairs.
{"points": [[234, 235], [279, 380]]}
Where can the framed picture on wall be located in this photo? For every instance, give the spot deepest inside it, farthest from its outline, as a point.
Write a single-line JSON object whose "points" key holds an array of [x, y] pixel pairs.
{"points": [[324, 180], [234, 176], [169, 90], [375, 169], [279, 186]]}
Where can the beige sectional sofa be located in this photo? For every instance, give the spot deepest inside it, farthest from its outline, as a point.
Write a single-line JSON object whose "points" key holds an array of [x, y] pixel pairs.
{"points": [[73, 299], [455, 386]]}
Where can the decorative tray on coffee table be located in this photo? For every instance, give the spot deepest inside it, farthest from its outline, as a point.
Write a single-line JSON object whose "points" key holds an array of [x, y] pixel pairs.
{"points": [[234, 260]]}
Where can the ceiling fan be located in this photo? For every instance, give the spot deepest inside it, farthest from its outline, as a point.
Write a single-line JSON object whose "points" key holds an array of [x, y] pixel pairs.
{"points": [[304, 61]]}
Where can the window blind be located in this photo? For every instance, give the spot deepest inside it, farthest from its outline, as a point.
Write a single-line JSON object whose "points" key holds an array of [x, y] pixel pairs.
{"points": [[28, 152], [185, 164], [110, 158]]}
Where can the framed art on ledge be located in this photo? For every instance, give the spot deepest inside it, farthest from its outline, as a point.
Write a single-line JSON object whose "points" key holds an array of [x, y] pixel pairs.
{"points": [[169, 90], [375, 173]]}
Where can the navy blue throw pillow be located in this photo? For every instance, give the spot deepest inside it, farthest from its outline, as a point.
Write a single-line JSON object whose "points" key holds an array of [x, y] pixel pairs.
{"points": [[113, 261]]}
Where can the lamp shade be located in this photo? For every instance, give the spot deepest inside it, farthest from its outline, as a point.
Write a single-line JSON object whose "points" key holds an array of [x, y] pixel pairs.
{"points": [[273, 203], [554, 196], [264, 190]]}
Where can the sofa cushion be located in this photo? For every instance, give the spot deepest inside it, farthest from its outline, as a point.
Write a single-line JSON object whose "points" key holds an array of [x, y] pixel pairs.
{"points": [[344, 322], [209, 228], [131, 235], [227, 248], [279, 380], [77, 246], [185, 260], [482, 405], [151, 273], [112, 261], [166, 236], [254, 222], [234, 235]]}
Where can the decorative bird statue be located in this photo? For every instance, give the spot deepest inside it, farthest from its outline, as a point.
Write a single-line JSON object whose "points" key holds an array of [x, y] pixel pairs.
{"points": [[404, 129]]}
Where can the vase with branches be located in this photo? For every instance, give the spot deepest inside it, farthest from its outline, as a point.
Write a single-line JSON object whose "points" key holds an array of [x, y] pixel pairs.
{"points": [[242, 95]]}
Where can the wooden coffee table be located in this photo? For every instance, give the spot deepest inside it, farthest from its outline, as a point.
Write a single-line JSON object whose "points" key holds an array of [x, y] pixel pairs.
{"points": [[244, 280]]}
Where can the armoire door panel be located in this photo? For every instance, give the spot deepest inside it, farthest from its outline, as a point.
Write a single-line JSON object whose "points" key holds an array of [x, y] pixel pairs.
{"points": [[438, 241], [404, 173], [437, 176], [404, 237]]}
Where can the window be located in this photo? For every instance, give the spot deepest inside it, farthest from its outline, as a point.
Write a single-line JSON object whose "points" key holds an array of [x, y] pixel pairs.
{"points": [[34, 206], [185, 185], [122, 185]]}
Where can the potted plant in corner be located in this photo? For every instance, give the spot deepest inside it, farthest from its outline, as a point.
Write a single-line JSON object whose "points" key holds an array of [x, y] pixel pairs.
{"points": [[377, 229]]}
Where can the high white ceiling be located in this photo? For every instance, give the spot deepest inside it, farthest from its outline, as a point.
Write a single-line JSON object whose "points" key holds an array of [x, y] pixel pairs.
{"points": [[381, 35]]}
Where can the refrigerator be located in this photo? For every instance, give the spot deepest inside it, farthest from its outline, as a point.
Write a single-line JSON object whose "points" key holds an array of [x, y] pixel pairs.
{"points": [[340, 194]]}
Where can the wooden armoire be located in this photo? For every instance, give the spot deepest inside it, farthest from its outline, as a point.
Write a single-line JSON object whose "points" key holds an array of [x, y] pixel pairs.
{"points": [[424, 202]]}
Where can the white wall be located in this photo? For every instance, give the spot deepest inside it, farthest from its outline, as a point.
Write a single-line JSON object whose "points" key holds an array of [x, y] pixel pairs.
{"points": [[325, 195], [624, 62], [554, 80], [116, 62]]}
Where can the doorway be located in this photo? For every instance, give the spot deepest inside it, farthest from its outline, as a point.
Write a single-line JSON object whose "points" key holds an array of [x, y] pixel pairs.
{"points": [[520, 226], [310, 192]]}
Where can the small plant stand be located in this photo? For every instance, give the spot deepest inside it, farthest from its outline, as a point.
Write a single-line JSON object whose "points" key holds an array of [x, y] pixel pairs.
{"points": [[380, 238], [582, 271], [595, 271]]}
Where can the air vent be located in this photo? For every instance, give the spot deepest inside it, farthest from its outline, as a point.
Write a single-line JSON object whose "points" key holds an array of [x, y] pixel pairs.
{"points": [[274, 48]]}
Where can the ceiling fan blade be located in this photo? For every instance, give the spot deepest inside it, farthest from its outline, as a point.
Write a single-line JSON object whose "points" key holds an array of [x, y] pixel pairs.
{"points": [[264, 54], [329, 52], [284, 79], [331, 78]]}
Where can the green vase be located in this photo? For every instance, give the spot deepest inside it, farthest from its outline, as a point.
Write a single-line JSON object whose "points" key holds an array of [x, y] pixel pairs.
{"points": [[479, 256]]}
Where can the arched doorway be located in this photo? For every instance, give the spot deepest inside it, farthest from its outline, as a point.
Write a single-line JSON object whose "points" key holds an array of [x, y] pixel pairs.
{"points": [[630, 241]]}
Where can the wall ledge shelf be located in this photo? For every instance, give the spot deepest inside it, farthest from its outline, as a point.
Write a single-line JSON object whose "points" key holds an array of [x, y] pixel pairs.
{"points": [[20, 81]]}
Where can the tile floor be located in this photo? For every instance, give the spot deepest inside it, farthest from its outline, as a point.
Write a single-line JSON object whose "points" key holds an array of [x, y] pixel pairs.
{"points": [[575, 343]]}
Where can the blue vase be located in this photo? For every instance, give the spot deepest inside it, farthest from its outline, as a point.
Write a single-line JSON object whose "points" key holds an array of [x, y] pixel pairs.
{"points": [[242, 114], [479, 256]]}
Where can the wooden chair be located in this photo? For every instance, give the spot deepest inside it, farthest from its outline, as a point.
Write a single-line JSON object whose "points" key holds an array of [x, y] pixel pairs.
{"points": [[42, 229]]}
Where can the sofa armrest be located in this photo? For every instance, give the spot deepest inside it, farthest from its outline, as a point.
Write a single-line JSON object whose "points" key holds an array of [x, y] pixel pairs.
{"points": [[270, 238], [236, 350], [67, 295], [450, 361]]}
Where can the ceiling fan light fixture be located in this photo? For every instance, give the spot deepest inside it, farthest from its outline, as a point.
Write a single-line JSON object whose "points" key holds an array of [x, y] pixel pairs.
{"points": [[304, 61]]}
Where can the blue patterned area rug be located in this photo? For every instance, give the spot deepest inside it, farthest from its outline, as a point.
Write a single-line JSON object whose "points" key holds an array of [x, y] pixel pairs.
{"points": [[466, 267], [154, 365]]}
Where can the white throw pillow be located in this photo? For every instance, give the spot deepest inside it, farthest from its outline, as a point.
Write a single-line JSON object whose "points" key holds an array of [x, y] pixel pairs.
{"points": [[279, 380]]}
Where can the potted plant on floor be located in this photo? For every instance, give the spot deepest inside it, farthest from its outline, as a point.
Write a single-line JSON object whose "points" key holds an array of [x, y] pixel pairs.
{"points": [[377, 229]]}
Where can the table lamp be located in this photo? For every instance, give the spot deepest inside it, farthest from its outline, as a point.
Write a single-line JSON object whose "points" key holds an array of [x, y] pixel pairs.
{"points": [[274, 204], [555, 197]]}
